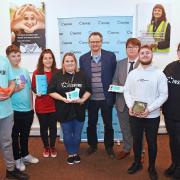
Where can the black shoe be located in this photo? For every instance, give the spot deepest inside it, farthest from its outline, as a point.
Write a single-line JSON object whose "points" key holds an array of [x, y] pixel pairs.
{"points": [[176, 175], [134, 168], [110, 153], [70, 160], [91, 150], [77, 159], [170, 170], [16, 174], [153, 173]]}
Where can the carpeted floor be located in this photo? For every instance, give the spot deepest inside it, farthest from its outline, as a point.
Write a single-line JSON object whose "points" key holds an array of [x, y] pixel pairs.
{"points": [[97, 166]]}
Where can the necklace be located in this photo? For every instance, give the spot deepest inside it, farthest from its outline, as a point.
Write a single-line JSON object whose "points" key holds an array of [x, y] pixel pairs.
{"points": [[70, 79]]}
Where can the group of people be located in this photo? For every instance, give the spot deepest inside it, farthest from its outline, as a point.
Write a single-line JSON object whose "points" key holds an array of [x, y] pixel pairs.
{"points": [[143, 84]]}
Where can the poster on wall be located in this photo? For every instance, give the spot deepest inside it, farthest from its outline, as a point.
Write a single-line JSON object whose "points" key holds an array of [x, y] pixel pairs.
{"points": [[153, 26], [73, 36], [27, 23]]}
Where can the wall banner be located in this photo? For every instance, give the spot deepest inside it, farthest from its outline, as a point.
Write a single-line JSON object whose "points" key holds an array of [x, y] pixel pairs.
{"points": [[73, 37]]}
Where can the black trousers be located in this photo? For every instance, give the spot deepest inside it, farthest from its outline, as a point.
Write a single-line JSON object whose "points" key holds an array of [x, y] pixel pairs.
{"points": [[173, 128], [20, 133], [106, 112], [48, 121], [150, 127]]}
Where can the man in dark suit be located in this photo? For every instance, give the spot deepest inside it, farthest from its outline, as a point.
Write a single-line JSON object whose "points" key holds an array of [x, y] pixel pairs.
{"points": [[123, 67], [99, 66]]}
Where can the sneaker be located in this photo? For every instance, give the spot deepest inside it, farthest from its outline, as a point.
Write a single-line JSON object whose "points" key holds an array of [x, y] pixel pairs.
{"points": [[77, 159], [46, 152], [16, 174], [20, 165], [29, 159], [53, 152], [70, 160]]}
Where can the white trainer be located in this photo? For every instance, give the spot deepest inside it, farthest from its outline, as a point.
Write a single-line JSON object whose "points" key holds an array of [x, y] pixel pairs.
{"points": [[29, 159], [20, 165]]}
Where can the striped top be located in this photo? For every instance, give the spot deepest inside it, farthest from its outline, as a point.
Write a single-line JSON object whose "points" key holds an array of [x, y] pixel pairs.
{"points": [[96, 83]]}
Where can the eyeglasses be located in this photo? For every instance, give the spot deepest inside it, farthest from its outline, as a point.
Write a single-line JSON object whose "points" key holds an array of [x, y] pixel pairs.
{"points": [[94, 42], [145, 53], [132, 47]]}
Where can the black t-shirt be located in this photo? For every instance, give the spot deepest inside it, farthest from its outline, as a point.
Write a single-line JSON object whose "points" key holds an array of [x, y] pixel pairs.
{"points": [[171, 106], [62, 83]]}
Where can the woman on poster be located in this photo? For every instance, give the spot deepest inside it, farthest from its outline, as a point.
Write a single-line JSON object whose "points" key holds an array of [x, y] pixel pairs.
{"points": [[160, 29]]}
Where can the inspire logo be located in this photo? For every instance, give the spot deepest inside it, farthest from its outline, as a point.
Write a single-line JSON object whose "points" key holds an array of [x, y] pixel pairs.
{"points": [[171, 80]]}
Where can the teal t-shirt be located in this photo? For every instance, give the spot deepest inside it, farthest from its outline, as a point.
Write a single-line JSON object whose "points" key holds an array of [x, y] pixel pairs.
{"points": [[6, 75], [22, 100]]}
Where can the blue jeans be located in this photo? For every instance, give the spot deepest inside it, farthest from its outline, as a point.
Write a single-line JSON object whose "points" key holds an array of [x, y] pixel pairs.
{"points": [[72, 135]]}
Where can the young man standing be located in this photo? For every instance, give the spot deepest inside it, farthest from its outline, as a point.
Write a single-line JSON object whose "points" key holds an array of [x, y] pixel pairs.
{"points": [[123, 67], [145, 92]]}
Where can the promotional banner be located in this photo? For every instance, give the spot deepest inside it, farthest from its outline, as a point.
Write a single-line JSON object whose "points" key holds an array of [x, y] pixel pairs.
{"points": [[28, 26], [73, 36], [74, 32]]}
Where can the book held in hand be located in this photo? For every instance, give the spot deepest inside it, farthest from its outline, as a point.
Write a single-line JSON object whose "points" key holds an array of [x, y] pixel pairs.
{"points": [[139, 107], [41, 84]]}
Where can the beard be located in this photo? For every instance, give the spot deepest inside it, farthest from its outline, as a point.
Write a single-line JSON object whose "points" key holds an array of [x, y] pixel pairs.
{"points": [[146, 62]]}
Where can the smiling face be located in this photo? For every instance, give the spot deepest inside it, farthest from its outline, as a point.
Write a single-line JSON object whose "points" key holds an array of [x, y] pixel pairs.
{"points": [[47, 61], [69, 64], [95, 43], [14, 58], [29, 19], [145, 56], [157, 13]]}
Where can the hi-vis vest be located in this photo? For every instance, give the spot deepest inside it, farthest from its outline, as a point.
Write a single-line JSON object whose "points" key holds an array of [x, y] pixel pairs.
{"points": [[159, 35]]}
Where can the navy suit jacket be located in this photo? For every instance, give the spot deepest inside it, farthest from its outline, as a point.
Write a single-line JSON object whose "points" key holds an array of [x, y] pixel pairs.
{"points": [[108, 66]]}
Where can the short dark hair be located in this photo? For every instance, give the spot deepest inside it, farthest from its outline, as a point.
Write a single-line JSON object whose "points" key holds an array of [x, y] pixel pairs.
{"points": [[12, 48], [96, 34], [133, 41]]}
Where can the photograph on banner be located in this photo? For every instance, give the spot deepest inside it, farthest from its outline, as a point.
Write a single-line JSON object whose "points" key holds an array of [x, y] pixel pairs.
{"points": [[153, 26], [74, 33], [27, 23]]}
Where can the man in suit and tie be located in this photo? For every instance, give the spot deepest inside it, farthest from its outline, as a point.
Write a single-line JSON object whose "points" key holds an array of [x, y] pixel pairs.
{"points": [[123, 67], [99, 66]]}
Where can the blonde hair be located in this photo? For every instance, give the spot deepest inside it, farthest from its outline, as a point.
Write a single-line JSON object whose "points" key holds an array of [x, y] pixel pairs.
{"points": [[74, 57]]}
